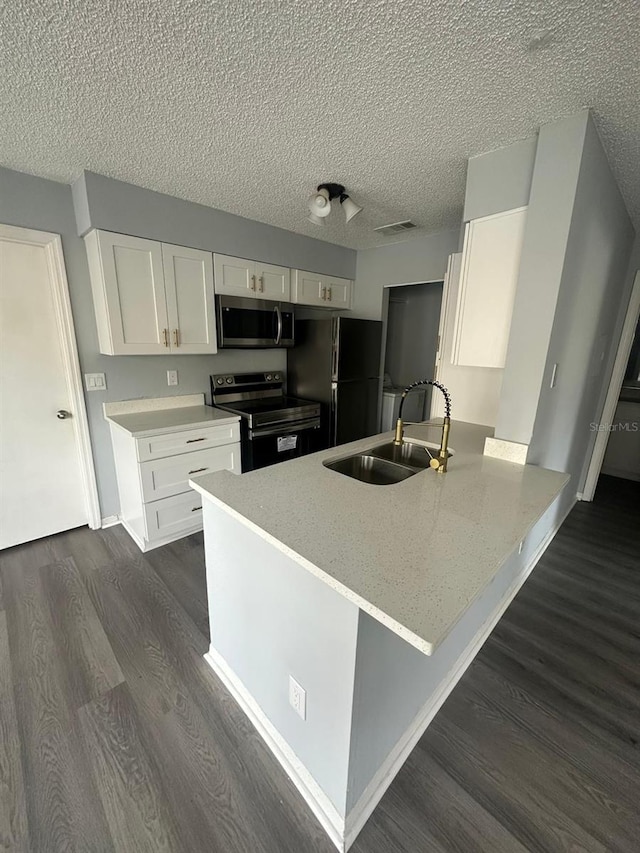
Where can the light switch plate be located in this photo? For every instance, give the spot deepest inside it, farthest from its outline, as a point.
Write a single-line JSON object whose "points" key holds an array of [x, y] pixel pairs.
{"points": [[95, 381]]}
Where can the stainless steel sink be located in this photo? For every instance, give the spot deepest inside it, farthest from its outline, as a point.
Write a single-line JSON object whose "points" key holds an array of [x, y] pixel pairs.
{"points": [[412, 455], [371, 469]]}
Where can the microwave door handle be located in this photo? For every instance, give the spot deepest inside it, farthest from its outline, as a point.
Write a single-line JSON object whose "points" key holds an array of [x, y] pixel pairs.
{"points": [[279, 322]]}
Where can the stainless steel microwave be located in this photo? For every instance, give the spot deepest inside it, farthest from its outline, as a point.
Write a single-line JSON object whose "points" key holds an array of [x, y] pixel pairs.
{"points": [[256, 323]]}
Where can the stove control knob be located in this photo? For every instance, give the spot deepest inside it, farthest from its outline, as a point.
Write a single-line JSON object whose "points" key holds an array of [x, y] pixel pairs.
{"points": [[220, 381], [229, 380], [268, 377], [276, 376]]}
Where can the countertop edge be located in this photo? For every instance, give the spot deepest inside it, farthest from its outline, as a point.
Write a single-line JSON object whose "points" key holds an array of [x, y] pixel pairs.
{"points": [[422, 645], [148, 433]]}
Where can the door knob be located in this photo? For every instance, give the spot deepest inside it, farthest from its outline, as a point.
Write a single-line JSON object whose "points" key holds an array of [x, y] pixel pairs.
{"points": [[61, 414]]}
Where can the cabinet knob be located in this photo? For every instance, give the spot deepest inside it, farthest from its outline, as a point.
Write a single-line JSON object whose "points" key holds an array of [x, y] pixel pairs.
{"points": [[165, 335], [328, 294], [176, 337], [253, 282]]}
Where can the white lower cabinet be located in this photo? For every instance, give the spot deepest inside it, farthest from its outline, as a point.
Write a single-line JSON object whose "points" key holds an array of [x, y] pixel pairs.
{"points": [[157, 505]]}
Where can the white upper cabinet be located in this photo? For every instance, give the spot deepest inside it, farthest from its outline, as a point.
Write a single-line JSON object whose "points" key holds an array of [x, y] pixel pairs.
{"points": [[326, 291], [127, 280], [240, 277], [273, 282], [490, 264], [150, 298], [188, 279]]}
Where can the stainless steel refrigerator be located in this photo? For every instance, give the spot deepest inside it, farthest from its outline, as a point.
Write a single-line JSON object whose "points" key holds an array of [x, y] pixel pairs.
{"points": [[336, 361]]}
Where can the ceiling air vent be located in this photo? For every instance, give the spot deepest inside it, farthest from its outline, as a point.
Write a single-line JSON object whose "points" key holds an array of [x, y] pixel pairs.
{"points": [[396, 227]]}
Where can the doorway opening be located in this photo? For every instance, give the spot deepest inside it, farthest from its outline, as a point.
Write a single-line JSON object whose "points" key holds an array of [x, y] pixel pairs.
{"points": [[616, 450], [411, 348]]}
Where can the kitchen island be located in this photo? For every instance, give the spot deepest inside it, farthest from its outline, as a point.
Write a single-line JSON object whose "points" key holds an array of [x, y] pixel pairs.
{"points": [[374, 598]]}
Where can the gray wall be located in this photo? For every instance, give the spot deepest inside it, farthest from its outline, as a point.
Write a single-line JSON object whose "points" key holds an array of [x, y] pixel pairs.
{"points": [[417, 260], [551, 204], [44, 205], [412, 333], [112, 205], [270, 618], [499, 180], [387, 667], [594, 287]]}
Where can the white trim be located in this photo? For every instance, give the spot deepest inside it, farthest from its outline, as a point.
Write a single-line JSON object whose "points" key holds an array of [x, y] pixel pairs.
{"points": [[376, 789], [321, 806], [617, 377], [110, 521], [64, 319], [341, 831]]}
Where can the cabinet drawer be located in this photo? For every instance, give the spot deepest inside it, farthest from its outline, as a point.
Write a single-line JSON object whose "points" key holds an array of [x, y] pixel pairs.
{"points": [[162, 478], [185, 441], [179, 514]]}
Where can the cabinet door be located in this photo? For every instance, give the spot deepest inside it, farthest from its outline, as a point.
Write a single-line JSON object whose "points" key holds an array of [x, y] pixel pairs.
{"points": [[188, 275], [338, 292], [490, 264], [235, 276], [273, 282], [128, 284], [308, 288]]}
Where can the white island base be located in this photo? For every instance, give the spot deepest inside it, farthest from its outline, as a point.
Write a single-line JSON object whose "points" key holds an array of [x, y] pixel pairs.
{"points": [[371, 688]]}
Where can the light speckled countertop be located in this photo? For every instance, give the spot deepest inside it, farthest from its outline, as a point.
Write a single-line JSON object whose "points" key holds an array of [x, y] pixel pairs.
{"points": [[146, 417], [414, 554]]}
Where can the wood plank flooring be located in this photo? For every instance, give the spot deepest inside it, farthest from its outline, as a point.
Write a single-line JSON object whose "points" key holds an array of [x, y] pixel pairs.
{"points": [[115, 736]]}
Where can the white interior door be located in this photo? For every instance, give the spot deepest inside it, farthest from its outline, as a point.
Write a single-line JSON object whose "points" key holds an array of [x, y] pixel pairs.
{"points": [[42, 490]]}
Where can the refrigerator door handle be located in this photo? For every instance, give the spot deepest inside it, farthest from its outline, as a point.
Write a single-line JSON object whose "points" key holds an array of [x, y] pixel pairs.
{"points": [[335, 344], [334, 414]]}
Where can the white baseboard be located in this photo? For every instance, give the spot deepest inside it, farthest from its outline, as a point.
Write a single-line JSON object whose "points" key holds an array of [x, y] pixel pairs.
{"points": [[110, 521], [145, 546], [341, 831], [322, 807], [376, 789]]}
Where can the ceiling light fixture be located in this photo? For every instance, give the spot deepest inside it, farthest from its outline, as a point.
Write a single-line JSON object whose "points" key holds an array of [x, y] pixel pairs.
{"points": [[320, 203]]}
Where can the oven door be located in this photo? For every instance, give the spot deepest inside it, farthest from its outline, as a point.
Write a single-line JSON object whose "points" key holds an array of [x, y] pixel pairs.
{"points": [[268, 445], [245, 323]]}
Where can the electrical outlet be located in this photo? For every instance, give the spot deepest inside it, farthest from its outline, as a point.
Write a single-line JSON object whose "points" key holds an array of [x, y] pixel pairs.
{"points": [[172, 377], [297, 698]]}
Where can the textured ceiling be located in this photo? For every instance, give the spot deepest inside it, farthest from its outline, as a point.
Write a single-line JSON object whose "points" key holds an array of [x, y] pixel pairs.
{"points": [[245, 105]]}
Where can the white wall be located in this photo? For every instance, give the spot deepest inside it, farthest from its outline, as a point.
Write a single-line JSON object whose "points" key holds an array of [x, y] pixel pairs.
{"points": [[475, 391], [500, 180], [414, 261], [33, 202]]}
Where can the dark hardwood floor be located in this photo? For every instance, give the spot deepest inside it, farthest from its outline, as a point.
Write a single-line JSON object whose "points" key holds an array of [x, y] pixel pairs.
{"points": [[116, 736]]}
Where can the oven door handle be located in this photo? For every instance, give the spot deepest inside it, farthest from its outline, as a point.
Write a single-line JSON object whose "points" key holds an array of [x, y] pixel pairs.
{"points": [[278, 313], [284, 429]]}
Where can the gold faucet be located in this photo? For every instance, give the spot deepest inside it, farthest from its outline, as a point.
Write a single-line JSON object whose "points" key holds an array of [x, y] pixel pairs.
{"points": [[439, 462]]}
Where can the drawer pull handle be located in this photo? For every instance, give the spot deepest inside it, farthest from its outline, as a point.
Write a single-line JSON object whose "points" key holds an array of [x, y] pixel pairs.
{"points": [[191, 440], [196, 508], [197, 470]]}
